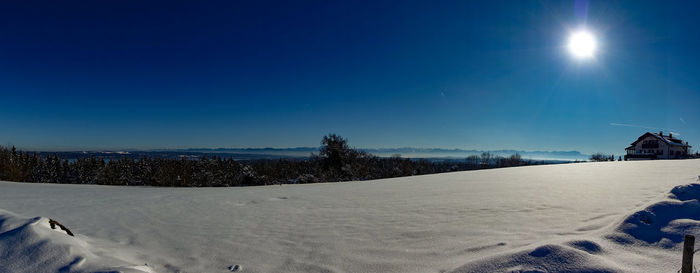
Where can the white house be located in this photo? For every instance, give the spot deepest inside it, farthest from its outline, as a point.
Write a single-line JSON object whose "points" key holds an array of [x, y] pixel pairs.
{"points": [[657, 146]]}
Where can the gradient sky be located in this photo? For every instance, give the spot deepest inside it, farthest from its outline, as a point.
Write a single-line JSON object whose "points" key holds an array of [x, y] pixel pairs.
{"points": [[461, 74]]}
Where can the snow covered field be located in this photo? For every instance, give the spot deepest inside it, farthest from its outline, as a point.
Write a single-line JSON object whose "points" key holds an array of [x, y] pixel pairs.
{"points": [[587, 217]]}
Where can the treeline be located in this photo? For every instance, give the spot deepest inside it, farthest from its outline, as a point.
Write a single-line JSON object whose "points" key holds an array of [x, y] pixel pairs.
{"points": [[599, 157], [336, 161]]}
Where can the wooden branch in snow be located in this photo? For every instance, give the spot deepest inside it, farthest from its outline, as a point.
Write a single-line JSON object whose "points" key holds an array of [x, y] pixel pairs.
{"points": [[55, 223], [688, 245]]}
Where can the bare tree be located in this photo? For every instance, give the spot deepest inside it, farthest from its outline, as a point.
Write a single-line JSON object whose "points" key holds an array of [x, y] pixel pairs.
{"points": [[599, 157], [486, 159], [473, 160]]}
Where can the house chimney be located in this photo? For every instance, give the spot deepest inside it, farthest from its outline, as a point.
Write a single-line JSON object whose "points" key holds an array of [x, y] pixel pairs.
{"points": [[670, 135], [661, 133]]}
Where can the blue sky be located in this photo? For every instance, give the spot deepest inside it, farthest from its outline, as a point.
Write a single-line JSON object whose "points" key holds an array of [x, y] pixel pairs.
{"points": [[449, 74]]}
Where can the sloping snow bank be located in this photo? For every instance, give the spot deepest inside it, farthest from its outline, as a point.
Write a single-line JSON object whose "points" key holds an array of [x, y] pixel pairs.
{"points": [[550, 218], [31, 245], [664, 223], [654, 233]]}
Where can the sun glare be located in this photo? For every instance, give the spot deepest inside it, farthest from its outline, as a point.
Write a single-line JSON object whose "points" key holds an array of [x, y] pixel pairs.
{"points": [[582, 44]]}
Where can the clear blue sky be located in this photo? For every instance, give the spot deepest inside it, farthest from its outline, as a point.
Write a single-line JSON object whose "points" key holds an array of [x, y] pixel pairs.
{"points": [[449, 74]]}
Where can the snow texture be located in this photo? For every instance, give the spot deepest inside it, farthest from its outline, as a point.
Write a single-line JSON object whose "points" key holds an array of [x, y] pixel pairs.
{"points": [[586, 217], [31, 245]]}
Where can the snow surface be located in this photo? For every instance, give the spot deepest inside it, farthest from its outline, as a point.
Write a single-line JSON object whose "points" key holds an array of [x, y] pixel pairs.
{"points": [[586, 217], [32, 245]]}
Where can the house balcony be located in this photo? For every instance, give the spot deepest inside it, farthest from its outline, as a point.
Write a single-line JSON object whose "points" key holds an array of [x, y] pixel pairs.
{"points": [[650, 146]]}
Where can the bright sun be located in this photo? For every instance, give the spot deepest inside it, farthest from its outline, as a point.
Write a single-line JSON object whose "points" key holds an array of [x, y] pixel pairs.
{"points": [[582, 44]]}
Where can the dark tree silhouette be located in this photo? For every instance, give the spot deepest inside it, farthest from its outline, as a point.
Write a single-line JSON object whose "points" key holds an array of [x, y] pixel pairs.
{"points": [[335, 153], [599, 157]]}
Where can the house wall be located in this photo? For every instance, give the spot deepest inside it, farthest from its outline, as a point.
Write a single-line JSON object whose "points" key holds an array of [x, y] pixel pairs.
{"points": [[664, 151], [661, 151], [675, 150]]}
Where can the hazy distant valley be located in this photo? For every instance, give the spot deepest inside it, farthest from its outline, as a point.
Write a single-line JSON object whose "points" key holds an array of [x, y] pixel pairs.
{"points": [[305, 152]]}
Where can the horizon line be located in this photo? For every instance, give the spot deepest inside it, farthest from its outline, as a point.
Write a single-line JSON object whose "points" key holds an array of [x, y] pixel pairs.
{"points": [[280, 148]]}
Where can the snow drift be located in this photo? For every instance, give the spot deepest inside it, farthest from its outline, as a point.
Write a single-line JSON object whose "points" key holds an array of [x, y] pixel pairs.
{"points": [[32, 245], [660, 225], [664, 223]]}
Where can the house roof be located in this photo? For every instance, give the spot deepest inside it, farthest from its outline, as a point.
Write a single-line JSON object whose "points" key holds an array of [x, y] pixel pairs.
{"points": [[666, 139]]}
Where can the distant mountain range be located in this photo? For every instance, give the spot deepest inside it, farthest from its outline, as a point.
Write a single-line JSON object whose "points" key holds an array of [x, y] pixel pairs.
{"points": [[404, 152]]}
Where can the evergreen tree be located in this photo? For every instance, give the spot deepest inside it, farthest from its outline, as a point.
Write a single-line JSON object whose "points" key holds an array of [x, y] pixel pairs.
{"points": [[334, 152]]}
